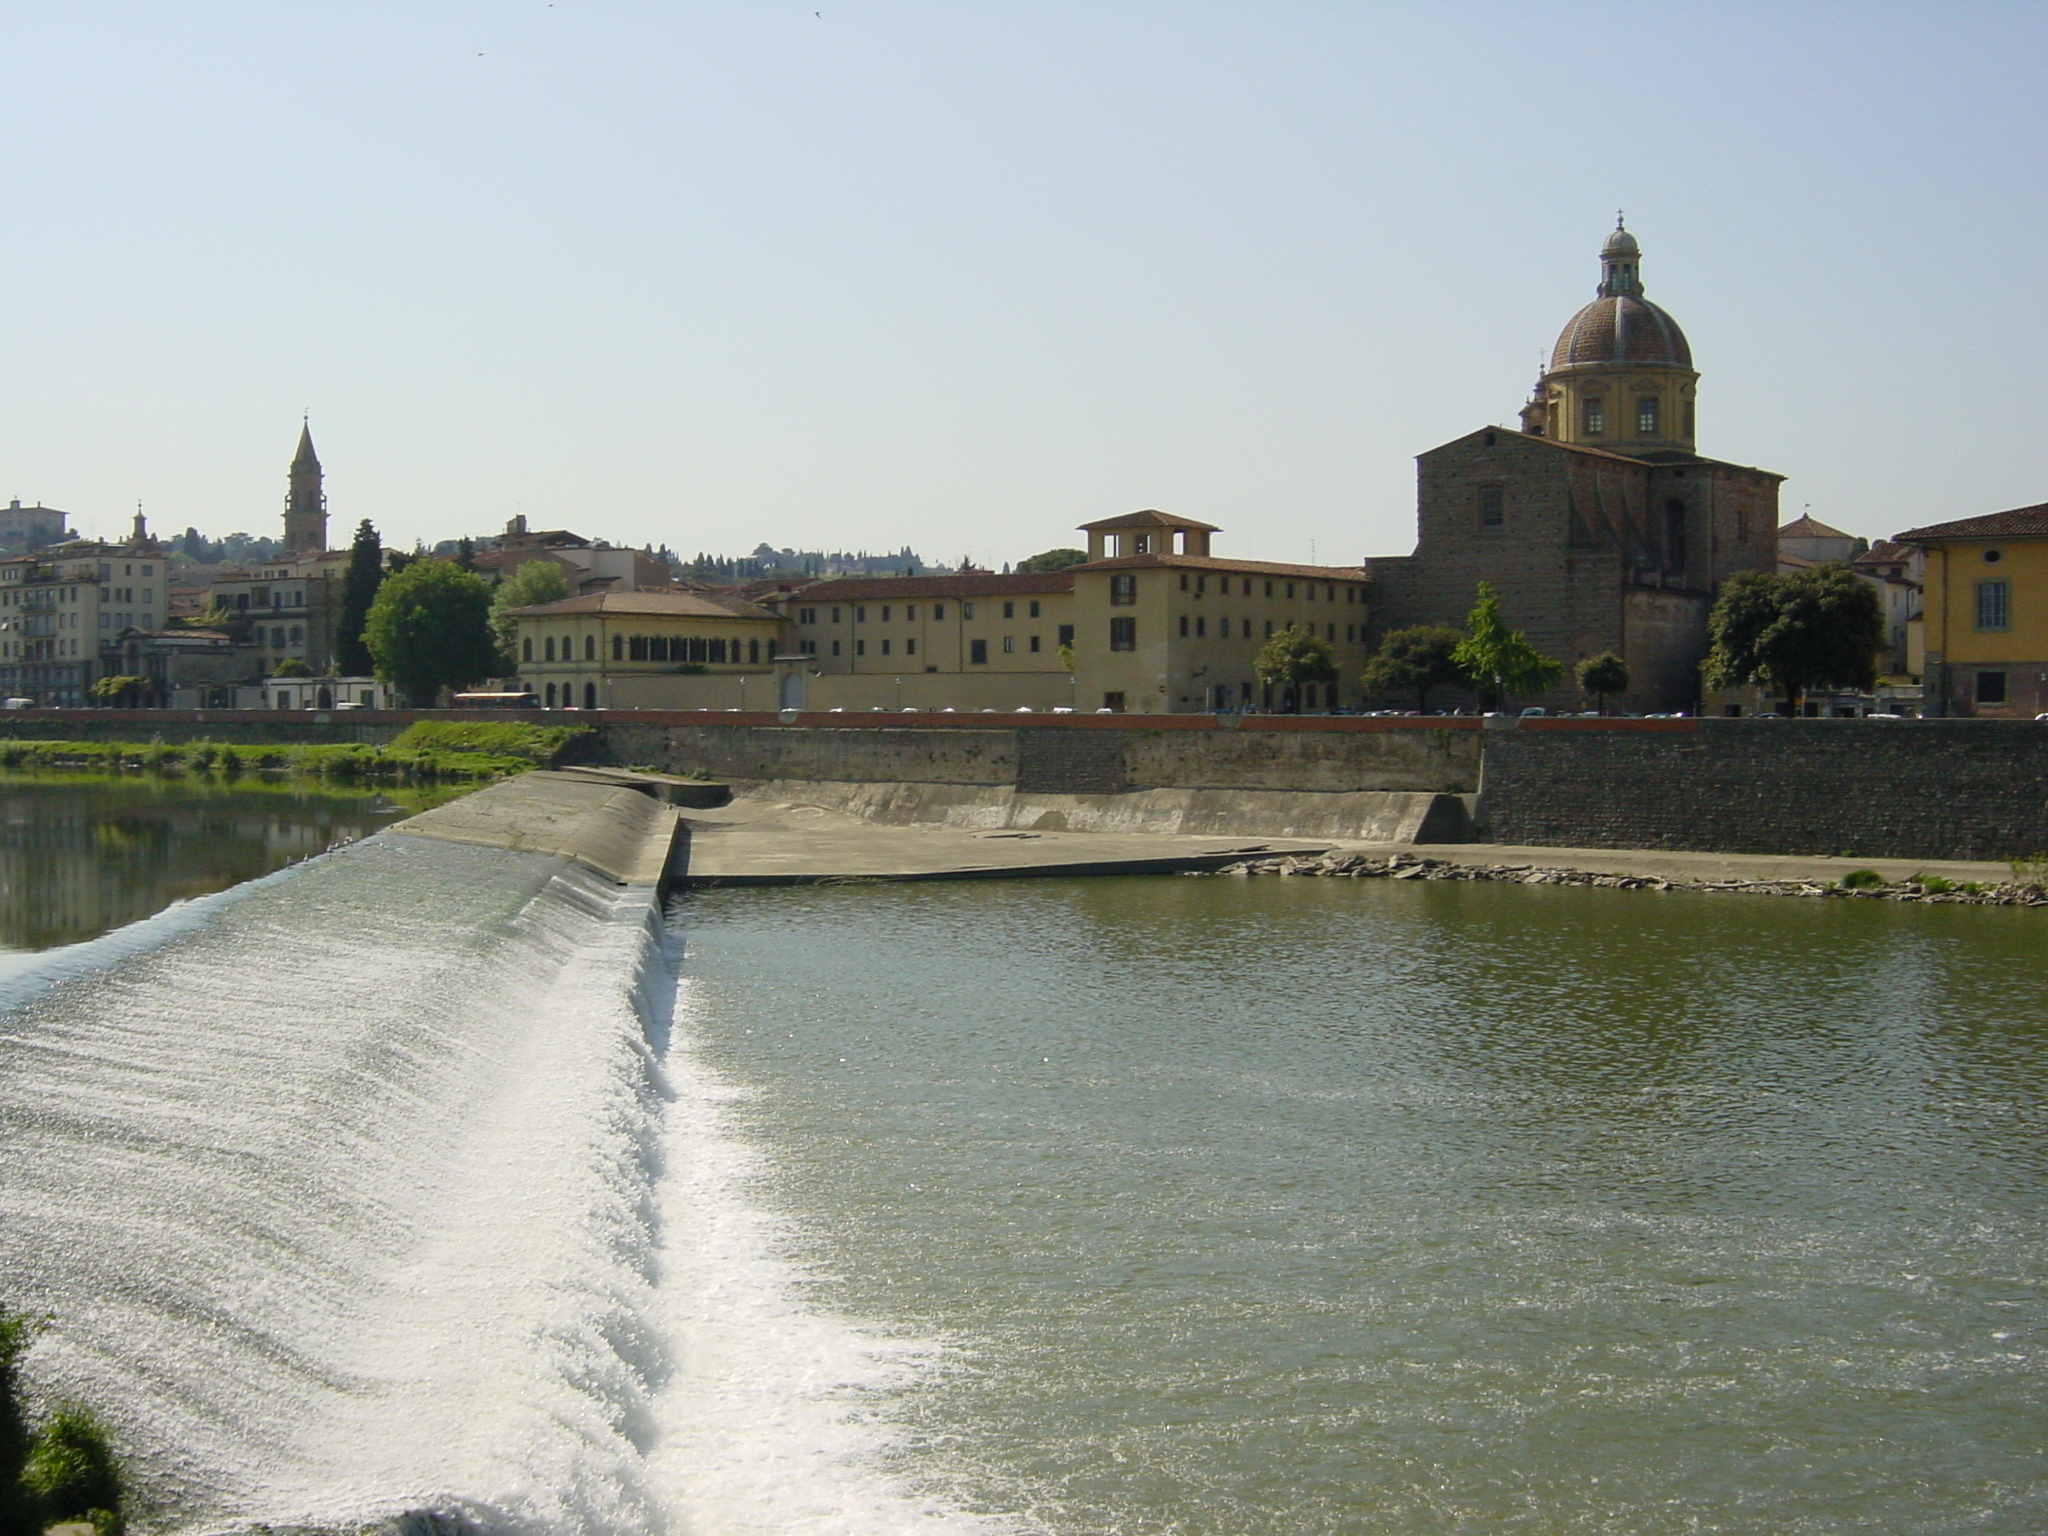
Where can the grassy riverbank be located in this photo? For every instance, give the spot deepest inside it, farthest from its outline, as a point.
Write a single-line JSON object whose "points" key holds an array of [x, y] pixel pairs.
{"points": [[426, 753]]}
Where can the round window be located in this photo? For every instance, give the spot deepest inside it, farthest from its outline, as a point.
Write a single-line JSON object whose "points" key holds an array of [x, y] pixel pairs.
{"points": [[1993, 556]]}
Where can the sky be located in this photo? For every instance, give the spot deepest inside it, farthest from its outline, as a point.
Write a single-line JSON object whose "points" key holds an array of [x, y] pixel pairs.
{"points": [[961, 276]]}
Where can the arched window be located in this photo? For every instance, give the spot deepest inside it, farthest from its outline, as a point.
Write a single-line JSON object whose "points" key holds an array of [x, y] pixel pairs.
{"points": [[590, 647], [590, 695], [753, 651], [526, 649], [550, 647], [551, 696], [618, 647]]}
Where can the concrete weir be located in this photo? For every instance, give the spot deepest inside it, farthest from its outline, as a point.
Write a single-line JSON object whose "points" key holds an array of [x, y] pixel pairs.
{"points": [[622, 826]]}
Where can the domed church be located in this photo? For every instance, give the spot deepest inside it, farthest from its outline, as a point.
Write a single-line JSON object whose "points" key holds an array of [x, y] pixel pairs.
{"points": [[1598, 522]]}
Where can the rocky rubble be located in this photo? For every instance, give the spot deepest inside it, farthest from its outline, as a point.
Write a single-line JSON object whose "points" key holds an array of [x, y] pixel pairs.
{"points": [[1402, 866]]}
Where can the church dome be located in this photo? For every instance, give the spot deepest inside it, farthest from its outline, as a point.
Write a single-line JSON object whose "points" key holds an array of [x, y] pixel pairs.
{"points": [[1620, 328]]}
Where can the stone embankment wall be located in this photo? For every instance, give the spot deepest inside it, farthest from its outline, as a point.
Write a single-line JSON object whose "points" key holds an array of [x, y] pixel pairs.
{"points": [[1907, 789], [1911, 789]]}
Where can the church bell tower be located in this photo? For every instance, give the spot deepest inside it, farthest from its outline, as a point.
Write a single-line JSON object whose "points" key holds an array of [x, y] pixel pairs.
{"points": [[305, 509]]}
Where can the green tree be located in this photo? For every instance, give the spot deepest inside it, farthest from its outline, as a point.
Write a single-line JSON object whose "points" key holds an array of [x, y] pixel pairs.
{"points": [[536, 581], [291, 666], [1498, 661], [1414, 660], [429, 629], [120, 690], [1823, 625], [358, 591], [1053, 560], [1291, 660], [1601, 675]]}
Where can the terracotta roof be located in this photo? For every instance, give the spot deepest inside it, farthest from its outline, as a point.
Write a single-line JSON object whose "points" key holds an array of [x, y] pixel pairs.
{"points": [[864, 589], [1620, 328], [2020, 523], [1884, 552], [1811, 528], [1150, 518], [668, 605], [1227, 567]]}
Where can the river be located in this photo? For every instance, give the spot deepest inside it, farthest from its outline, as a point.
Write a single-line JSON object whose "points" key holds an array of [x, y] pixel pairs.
{"points": [[418, 1177]]}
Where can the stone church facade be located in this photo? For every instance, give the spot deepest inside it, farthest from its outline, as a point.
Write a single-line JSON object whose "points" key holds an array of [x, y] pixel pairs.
{"points": [[1597, 522]]}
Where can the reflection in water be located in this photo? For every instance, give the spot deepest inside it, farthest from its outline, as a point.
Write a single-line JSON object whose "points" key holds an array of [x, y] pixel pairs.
{"points": [[83, 854]]}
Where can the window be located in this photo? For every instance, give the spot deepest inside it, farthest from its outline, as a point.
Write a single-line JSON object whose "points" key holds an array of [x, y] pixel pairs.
{"points": [[618, 648], [1247, 629], [910, 647], [1183, 581], [298, 631], [1009, 610], [590, 647], [754, 650], [1290, 589], [1034, 608], [1113, 702], [1674, 534], [910, 613], [885, 613], [1034, 644], [1269, 589], [551, 647], [1990, 687], [1183, 626], [1596, 418], [1646, 416], [1202, 628], [967, 610], [1994, 605], [885, 647], [1123, 634], [835, 647], [1123, 591], [526, 649], [860, 647], [807, 615], [860, 614], [835, 615], [938, 610], [590, 695], [1066, 635], [977, 653], [807, 647], [1269, 629], [1009, 645]]}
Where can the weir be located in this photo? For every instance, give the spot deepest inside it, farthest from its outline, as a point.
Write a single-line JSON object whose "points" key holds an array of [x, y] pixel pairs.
{"points": [[376, 1193]]}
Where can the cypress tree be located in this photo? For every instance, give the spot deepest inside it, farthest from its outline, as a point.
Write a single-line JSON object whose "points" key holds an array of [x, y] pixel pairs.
{"points": [[358, 591]]}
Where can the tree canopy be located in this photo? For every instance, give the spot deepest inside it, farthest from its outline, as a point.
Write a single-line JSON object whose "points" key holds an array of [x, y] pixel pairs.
{"points": [[1054, 560], [1819, 626], [430, 629], [1292, 659], [536, 581], [1601, 675], [1498, 661], [1414, 660], [358, 591]]}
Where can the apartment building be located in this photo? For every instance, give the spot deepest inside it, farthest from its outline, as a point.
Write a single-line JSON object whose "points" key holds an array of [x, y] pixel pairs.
{"points": [[61, 608]]}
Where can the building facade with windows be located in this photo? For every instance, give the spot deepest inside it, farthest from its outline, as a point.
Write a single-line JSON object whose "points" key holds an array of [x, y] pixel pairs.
{"points": [[65, 610], [648, 650], [1597, 523], [1984, 627], [1164, 627]]}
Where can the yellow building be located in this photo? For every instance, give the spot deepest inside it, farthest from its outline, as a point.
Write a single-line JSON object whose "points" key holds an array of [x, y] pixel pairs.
{"points": [[1163, 627], [1984, 631], [970, 641], [648, 650]]}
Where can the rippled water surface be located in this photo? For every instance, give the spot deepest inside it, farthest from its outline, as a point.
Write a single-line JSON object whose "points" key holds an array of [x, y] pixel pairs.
{"points": [[1317, 1206]]}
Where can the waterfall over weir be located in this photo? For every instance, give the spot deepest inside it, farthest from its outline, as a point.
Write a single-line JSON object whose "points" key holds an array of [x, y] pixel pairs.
{"points": [[376, 1187]]}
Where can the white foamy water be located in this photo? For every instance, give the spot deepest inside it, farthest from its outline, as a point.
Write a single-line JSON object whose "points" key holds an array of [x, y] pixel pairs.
{"points": [[390, 1183]]}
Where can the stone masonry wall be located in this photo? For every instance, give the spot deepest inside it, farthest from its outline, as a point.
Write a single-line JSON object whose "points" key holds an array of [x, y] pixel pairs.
{"points": [[1911, 789]]}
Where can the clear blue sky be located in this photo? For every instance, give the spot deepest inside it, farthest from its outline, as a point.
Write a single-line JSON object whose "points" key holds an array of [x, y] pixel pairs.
{"points": [[964, 275]]}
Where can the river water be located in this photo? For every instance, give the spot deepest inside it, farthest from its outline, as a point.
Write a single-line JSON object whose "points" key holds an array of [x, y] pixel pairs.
{"points": [[417, 1177]]}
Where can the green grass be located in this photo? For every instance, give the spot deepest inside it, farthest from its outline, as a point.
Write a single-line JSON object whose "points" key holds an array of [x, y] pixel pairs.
{"points": [[1862, 880], [541, 744], [342, 761]]}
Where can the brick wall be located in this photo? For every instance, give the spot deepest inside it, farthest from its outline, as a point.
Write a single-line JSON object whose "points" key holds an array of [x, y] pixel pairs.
{"points": [[1911, 789], [1070, 763]]}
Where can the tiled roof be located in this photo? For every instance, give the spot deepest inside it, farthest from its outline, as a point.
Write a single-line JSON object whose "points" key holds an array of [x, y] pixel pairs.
{"points": [[1885, 552], [1811, 528], [668, 605], [1226, 567], [1150, 518], [1620, 328], [864, 589], [2020, 523]]}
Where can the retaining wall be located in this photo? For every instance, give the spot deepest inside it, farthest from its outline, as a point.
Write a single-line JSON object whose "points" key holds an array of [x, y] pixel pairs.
{"points": [[1907, 789]]}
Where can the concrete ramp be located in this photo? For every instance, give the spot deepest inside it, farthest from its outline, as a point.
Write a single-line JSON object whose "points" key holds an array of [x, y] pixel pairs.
{"points": [[618, 831], [1366, 816]]}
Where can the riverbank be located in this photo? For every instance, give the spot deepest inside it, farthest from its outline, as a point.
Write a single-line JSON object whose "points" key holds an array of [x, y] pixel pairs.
{"points": [[1952, 881]]}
